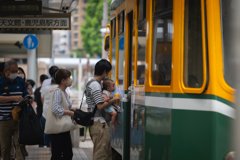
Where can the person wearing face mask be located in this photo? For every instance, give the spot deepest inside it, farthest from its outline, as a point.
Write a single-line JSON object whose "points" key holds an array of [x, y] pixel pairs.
{"points": [[21, 74], [12, 91], [47, 82], [61, 143]]}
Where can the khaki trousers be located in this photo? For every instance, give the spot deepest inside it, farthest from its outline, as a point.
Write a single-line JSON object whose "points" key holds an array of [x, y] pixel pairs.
{"points": [[100, 135], [8, 129]]}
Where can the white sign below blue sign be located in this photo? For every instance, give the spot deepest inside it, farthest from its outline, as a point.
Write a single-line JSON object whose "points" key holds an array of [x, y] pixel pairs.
{"points": [[30, 42]]}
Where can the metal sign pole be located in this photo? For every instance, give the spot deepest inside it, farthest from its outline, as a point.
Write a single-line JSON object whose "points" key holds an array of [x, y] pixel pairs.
{"points": [[31, 63]]}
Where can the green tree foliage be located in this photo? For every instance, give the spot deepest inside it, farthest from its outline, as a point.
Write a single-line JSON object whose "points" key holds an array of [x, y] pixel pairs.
{"points": [[91, 36]]}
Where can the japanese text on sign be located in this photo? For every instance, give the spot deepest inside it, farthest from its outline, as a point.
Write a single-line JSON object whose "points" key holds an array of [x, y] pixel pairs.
{"points": [[63, 23]]}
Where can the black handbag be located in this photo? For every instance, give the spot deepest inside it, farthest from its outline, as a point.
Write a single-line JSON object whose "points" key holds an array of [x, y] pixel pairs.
{"points": [[85, 118], [29, 127]]}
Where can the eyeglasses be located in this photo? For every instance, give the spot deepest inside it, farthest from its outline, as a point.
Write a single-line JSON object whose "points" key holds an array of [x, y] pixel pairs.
{"points": [[14, 72]]}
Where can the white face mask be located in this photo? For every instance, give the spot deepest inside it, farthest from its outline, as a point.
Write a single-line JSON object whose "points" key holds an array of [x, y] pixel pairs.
{"points": [[107, 77], [13, 76], [69, 83]]}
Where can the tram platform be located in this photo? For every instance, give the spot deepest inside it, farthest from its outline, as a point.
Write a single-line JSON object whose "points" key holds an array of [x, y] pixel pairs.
{"points": [[84, 152]]}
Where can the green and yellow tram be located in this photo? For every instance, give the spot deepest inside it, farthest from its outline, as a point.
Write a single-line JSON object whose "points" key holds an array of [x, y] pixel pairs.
{"points": [[172, 66]]}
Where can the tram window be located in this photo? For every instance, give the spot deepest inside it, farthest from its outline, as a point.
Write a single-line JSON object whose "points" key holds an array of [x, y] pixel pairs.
{"points": [[193, 49], [113, 28], [121, 23], [162, 51], [141, 54], [113, 62], [162, 4], [121, 53], [141, 10], [229, 58]]}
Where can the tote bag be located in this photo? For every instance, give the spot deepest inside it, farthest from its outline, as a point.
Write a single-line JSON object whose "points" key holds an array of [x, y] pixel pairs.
{"points": [[55, 124], [29, 128]]}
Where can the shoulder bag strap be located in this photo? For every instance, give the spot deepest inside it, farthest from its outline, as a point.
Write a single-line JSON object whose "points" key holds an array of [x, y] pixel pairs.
{"points": [[64, 101], [89, 82]]}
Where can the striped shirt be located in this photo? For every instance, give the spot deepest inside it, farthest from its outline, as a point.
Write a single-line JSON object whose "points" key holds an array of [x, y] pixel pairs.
{"points": [[93, 97], [7, 88], [57, 103]]}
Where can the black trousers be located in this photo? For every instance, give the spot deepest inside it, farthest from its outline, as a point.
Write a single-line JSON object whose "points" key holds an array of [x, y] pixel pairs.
{"points": [[61, 146]]}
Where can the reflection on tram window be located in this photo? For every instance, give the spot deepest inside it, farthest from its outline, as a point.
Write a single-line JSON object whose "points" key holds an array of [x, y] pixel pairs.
{"points": [[162, 4], [121, 61], [229, 57], [121, 53], [113, 62], [193, 49], [113, 28], [141, 54], [162, 51], [141, 10]]}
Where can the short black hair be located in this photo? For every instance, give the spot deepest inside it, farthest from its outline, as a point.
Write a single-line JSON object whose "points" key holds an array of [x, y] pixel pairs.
{"points": [[2, 66], [31, 82], [52, 70], [101, 66], [43, 77], [61, 74]]}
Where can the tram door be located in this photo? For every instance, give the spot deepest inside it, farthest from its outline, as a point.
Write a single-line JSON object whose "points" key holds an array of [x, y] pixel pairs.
{"points": [[136, 80], [129, 84]]}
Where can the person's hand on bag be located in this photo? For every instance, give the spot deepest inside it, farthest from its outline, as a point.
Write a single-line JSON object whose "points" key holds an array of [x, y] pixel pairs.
{"points": [[72, 114], [17, 98], [73, 109]]}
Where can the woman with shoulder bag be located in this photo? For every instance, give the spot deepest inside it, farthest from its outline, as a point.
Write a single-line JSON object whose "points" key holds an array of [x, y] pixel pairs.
{"points": [[60, 107]]}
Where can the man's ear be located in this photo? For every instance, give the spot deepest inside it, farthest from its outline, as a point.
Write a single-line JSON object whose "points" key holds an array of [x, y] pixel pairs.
{"points": [[5, 71]]}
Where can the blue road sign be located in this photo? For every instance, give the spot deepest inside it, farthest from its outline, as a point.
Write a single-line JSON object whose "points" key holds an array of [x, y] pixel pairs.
{"points": [[121, 43], [30, 42]]}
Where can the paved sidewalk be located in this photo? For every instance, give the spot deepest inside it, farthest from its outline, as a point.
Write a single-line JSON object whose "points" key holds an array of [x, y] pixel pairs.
{"points": [[85, 152], [36, 153]]}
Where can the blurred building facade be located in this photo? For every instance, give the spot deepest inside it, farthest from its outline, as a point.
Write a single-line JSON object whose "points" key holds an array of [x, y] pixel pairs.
{"points": [[78, 18], [61, 43]]}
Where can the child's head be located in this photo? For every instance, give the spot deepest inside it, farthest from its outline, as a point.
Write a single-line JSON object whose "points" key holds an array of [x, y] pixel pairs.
{"points": [[108, 85]]}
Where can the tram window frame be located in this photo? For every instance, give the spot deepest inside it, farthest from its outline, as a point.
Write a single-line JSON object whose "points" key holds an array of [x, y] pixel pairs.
{"points": [[163, 56], [185, 77]]}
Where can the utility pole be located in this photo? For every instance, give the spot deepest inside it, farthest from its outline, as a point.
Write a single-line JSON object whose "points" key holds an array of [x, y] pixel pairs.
{"points": [[104, 24]]}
